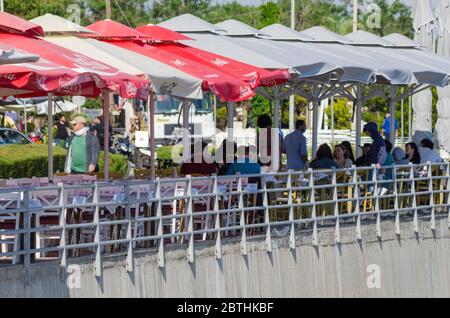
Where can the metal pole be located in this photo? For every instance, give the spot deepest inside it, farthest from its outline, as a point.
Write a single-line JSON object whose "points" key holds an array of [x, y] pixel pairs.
{"points": [[106, 104], [355, 15], [25, 119], [2, 6], [410, 117], [332, 120], [50, 135], [151, 126], [186, 131], [358, 102], [315, 129], [275, 144], [230, 121], [108, 9], [293, 14], [402, 123], [291, 112], [392, 109]]}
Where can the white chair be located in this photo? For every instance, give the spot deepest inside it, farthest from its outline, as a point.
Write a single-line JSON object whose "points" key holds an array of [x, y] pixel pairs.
{"points": [[9, 221]]}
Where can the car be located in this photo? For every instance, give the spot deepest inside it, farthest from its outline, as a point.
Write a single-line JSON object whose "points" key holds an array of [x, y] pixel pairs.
{"points": [[10, 136]]}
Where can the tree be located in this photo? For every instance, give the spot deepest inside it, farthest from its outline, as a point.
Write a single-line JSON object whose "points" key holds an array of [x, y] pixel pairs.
{"points": [[270, 14], [132, 13], [342, 114], [31, 9]]}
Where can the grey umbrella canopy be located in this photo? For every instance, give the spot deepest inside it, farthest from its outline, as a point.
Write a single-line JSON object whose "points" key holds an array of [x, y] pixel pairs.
{"points": [[443, 106], [424, 27], [14, 57]]}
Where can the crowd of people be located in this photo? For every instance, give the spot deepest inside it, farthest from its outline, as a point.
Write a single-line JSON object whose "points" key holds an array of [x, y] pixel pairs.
{"points": [[230, 160]]}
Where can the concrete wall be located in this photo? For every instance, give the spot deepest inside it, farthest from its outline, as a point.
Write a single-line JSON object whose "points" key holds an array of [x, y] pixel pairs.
{"points": [[410, 266]]}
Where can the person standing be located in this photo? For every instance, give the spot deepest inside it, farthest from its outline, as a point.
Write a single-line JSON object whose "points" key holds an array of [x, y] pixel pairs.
{"points": [[377, 154], [99, 130], [294, 146], [387, 127], [62, 132], [84, 149]]}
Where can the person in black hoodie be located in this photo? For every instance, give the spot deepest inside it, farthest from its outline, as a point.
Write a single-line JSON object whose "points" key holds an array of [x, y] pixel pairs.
{"points": [[377, 154]]}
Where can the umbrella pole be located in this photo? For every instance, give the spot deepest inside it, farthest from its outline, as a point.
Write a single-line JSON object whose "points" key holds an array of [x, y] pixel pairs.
{"points": [[186, 132], [50, 136], [106, 104], [315, 129], [392, 109], [358, 102], [275, 132], [230, 121], [151, 126]]}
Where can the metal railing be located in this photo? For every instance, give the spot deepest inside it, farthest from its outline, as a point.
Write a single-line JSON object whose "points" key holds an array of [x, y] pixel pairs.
{"points": [[61, 222]]}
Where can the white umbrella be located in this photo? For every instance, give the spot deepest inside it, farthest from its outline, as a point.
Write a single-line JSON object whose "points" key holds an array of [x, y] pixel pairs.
{"points": [[443, 107], [424, 27]]}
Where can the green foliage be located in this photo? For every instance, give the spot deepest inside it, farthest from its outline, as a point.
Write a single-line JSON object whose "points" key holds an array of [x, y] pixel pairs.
{"points": [[342, 114], [26, 161], [270, 14], [117, 163], [93, 103], [260, 106], [32, 9], [221, 117]]}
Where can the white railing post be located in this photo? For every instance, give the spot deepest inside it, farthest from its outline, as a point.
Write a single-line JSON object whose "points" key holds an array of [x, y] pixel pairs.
{"points": [[292, 244], [161, 254], [396, 205], [430, 188], [414, 203], [242, 218], [375, 197], [217, 223], [129, 238], [315, 240], [97, 238], [63, 224], [267, 217], [190, 251], [27, 227], [357, 207], [337, 233]]}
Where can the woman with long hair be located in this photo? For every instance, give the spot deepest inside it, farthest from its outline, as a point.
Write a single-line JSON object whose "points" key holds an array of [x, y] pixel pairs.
{"points": [[349, 149], [412, 153], [324, 158], [341, 156]]}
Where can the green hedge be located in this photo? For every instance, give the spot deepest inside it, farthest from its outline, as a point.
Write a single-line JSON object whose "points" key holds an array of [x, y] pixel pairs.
{"points": [[26, 161]]}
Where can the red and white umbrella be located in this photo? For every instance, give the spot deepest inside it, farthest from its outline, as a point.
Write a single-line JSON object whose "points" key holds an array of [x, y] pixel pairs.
{"points": [[230, 80]]}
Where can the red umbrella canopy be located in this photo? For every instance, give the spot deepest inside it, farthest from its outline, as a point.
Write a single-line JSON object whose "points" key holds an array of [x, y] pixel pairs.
{"points": [[42, 77], [11, 24], [157, 33], [100, 75], [114, 30]]}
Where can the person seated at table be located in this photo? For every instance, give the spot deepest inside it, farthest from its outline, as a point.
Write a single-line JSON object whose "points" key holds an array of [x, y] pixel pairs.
{"points": [[349, 149], [246, 163], [324, 158], [225, 156], [363, 161], [412, 153], [387, 172], [341, 156], [199, 162], [399, 156], [427, 153]]}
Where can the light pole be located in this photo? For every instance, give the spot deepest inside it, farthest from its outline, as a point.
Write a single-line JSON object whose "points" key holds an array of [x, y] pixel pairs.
{"points": [[291, 98], [355, 15], [108, 9]]}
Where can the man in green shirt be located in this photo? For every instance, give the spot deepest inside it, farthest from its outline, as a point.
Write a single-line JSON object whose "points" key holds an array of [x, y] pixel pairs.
{"points": [[84, 149]]}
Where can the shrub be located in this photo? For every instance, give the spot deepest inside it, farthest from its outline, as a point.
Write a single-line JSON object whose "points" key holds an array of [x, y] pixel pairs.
{"points": [[26, 161]]}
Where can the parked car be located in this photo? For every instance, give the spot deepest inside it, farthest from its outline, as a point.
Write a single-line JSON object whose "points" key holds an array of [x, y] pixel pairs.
{"points": [[10, 136]]}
